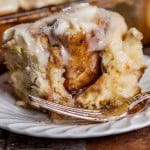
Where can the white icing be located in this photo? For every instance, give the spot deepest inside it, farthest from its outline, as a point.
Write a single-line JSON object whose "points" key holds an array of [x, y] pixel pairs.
{"points": [[117, 29], [65, 55], [136, 33], [46, 26], [82, 18], [22, 36], [79, 18]]}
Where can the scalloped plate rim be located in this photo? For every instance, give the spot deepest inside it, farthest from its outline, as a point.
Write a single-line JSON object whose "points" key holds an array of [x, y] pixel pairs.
{"points": [[70, 136]]}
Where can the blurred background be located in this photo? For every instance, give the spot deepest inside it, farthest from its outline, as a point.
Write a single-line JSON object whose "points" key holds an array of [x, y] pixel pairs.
{"points": [[13, 12], [136, 13]]}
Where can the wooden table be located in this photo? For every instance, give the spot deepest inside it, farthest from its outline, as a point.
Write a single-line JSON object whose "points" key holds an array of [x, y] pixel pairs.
{"points": [[136, 140]]}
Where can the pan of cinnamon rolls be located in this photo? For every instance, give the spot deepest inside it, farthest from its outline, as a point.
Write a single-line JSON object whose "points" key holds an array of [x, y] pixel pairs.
{"points": [[13, 6]]}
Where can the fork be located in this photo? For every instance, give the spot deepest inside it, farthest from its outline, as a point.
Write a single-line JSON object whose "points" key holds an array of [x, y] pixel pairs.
{"points": [[86, 114]]}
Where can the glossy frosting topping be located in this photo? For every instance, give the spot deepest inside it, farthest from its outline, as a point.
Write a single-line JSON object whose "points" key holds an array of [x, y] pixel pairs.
{"points": [[22, 36], [90, 20], [99, 26]]}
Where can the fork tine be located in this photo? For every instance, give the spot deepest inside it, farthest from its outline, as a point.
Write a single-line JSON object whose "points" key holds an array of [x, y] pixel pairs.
{"points": [[33, 98], [67, 108], [98, 117], [139, 98]]}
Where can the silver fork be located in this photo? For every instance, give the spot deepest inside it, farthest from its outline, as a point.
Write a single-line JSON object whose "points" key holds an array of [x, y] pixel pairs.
{"points": [[85, 114]]}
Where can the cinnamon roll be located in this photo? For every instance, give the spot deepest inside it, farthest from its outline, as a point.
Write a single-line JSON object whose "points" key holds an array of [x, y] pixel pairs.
{"points": [[83, 56]]}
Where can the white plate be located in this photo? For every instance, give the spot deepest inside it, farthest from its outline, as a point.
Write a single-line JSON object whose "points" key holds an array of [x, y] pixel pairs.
{"points": [[29, 122]]}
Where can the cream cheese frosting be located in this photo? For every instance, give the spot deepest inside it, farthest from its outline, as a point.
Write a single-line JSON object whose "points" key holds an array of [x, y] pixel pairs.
{"points": [[22, 36], [100, 27]]}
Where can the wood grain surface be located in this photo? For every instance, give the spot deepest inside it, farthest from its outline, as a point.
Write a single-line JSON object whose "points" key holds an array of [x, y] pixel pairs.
{"points": [[136, 140], [11, 141]]}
